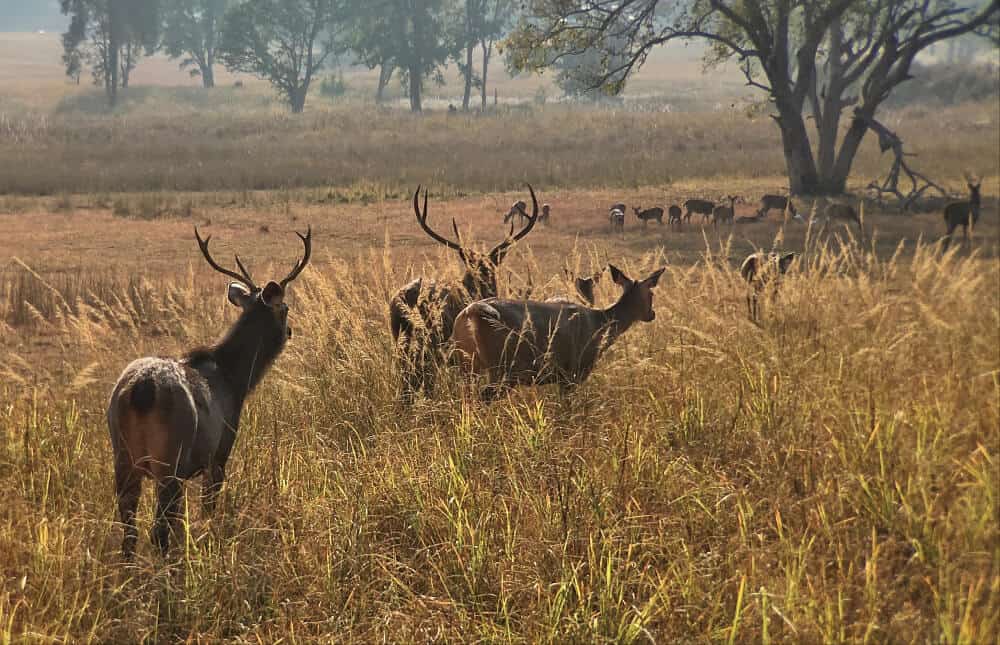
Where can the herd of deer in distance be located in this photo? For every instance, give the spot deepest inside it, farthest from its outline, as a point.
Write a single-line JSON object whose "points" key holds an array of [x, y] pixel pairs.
{"points": [[171, 419]]}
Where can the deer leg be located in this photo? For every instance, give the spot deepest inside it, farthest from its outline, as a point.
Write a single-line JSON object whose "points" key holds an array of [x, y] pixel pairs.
{"points": [[211, 486], [168, 503], [128, 489]]}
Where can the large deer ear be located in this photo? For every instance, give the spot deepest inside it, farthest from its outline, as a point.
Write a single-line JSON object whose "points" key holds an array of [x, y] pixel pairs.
{"points": [[272, 294], [653, 278], [239, 295], [619, 277]]}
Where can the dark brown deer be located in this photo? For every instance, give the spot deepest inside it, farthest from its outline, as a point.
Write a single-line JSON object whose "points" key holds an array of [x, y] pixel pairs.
{"points": [[701, 206], [422, 313], [650, 214], [769, 203], [544, 217], [761, 270], [172, 419], [674, 215], [511, 342], [964, 214], [724, 213]]}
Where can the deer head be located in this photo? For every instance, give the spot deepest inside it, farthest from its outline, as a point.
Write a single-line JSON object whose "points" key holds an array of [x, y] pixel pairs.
{"points": [[264, 309], [636, 301], [480, 279]]}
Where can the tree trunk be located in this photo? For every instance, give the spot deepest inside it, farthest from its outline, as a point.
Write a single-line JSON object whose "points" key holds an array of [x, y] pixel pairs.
{"points": [[467, 96], [208, 69], [802, 176], [297, 98], [114, 44], [384, 76], [487, 50], [836, 182], [415, 87]]}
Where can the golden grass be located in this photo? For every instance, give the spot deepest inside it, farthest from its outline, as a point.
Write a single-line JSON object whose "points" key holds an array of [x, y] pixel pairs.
{"points": [[827, 476]]}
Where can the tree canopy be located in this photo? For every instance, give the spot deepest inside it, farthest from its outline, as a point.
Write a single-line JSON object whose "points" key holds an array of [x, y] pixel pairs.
{"points": [[827, 55]]}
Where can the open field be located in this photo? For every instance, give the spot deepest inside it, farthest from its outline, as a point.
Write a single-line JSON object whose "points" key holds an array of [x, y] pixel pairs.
{"points": [[828, 474]]}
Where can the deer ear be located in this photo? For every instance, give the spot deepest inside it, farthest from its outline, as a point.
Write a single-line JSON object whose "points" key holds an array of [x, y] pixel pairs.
{"points": [[786, 260], [620, 278], [653, 278], [239, 295], [272, 294]]}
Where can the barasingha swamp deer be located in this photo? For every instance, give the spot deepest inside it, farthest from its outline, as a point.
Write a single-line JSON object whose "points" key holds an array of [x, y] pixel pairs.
{"points": [[964, 214], [843, 212], [544, 216], [654, 214], [725, 213], [423, 312], [782, 203], [763, 270], [701, 206], [674, 215], [172, 419], [515, 342]]}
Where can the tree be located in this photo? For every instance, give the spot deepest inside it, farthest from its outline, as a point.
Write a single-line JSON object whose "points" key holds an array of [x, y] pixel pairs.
{"points": [[282, 41], [412, 36], [828, 55], [192, 30], [482, 22], [110, 35]]}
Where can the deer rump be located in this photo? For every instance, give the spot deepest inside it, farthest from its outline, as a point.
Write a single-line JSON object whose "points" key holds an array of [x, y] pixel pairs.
{"points": [[550, 342], [165, 419]]}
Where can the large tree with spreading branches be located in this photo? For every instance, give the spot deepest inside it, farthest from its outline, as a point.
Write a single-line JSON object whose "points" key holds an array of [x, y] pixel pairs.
{"points": [[812, 58]]}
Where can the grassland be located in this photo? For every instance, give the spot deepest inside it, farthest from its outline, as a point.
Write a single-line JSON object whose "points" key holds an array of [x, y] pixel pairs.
{"points": [[827, 475]]}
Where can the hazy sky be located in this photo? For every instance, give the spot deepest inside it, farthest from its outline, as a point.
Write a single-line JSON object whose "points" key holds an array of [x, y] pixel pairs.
{"points": [[31, 15]]}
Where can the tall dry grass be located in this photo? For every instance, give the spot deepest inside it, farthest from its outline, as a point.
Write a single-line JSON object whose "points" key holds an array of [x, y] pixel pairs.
{"points": [[233, 146], [827, 476]]}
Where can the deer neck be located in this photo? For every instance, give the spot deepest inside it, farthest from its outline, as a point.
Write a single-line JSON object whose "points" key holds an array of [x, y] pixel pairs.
{"points": [[244, 354], [616, 319]]}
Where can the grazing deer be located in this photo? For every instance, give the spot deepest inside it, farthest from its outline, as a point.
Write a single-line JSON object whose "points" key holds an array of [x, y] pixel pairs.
{"points": [[518, 209], [171, 419], [618, 207], [700, 206], [964, 214], [674, 216], [750, 219], [513, 342], [423, 312], [760, 270], [769, 203], [617, 221], [655, 214], [724, 213]]}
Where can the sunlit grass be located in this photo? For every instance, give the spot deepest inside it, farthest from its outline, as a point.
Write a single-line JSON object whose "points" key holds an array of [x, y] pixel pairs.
{"points": [[828, 475]]}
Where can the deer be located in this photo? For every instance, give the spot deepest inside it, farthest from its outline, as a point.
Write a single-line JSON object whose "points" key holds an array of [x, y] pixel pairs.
{"points": [[645, 215], [171, 419], [839, 211], [544, 217], [724, 213], [700, 206], [617, 221], [422, 313], [518, 209], [674, 216], [775, 202], [510, 342], [618, 207], [964, 214], [761, 269]]}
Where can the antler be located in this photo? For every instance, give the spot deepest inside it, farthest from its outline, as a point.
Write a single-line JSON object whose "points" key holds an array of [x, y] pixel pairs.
{"points": [[301, 264], [501, 249], [422, 220], [244, 278]]}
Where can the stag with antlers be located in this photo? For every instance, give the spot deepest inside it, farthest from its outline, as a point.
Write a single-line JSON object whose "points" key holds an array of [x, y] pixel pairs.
{"points": [[171, 419], [422, 314]]}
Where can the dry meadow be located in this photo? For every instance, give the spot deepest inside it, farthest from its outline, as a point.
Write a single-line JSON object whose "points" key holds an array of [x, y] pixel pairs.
{"points": [[828, 474]]}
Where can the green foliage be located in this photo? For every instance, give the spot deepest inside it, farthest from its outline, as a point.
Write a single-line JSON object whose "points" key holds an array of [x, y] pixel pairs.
{"points": [[191, 32], [282, 41]]}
